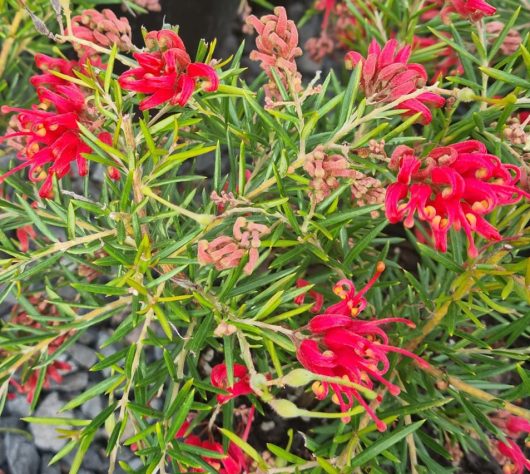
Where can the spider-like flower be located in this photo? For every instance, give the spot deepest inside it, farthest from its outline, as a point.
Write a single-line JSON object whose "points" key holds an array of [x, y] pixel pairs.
{"points": [[47, 136], [277, 48], [166, 73], [474, 10], [102, 28], [226, 252], [28, 381], [455, 186], [241, 386], [350, 349], [387, 76]]}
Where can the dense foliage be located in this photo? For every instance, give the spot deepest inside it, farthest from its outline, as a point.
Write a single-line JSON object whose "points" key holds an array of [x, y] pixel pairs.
{"points": [[348, 252]]}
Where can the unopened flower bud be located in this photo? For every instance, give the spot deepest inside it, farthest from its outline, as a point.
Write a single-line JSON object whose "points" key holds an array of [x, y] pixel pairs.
{"points": [[298, 378], [466, 95], [284, 408]]}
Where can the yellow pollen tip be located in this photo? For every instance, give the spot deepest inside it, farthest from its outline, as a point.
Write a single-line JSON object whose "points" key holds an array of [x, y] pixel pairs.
{"points": [[339, 291], [429, 211], [335, 399], [380, 267], [318, 388], [471, 219], [481, 173], [447, 192], [354, 312]]}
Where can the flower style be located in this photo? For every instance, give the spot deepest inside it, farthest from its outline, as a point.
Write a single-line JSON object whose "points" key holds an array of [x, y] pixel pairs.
{"points": [[166, 74], [241, 386], [350, 349], [387, 76], [473, 10], [318, 297], [101, 28], [226, 252], [47, 136], [277, 48], [458, 186]]}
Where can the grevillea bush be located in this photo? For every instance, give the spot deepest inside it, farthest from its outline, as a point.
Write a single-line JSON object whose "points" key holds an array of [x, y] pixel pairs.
{"points": [[345, 255]]}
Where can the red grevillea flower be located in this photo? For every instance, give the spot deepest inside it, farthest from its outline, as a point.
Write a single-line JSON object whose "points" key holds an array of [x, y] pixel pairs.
{"points": [[474, 10], [219, 379], [235, 461], [318, 297], [47, 136], [166, 73], [387, 76], [508, 453], [455, 186], [52, 373], [350, 349], [515, 461], [22, 318]]}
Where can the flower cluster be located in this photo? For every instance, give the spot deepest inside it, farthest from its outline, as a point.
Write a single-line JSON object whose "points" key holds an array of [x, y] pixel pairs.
{"points": [[367, 191], [235, 460], [339, 30], [474, 10], [354, 350], [227, 252], [508, 453], [387, 76], [52, 371], [47, 136], [277, 48], [101, 28], [166, 74], [324, 170], [454, 187]]}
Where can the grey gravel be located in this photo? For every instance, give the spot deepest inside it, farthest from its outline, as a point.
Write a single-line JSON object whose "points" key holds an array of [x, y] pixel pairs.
{"points": [[22, 456], [2, 451], [72, 382], [92, 407], [83, 355], [46, 436], [19, 406], [45, 469]]}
